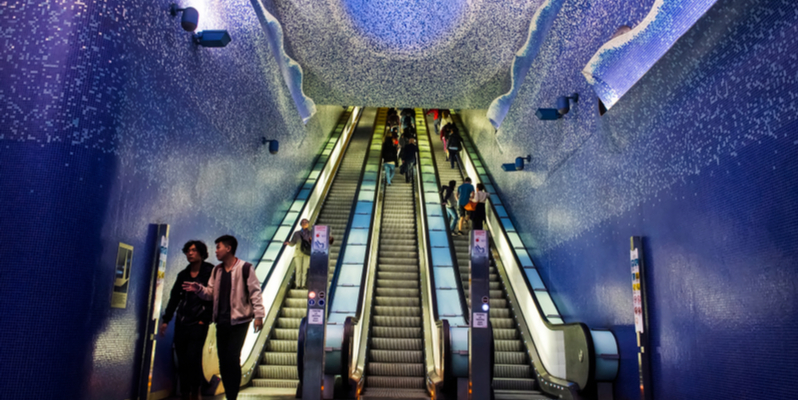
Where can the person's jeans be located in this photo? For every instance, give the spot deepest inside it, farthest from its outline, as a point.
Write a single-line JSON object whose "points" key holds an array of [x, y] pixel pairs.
{"points": [[455, 157], [230, 339], [301, 264], [453, 215], [410, 172], [188, 343], [389, 167]]}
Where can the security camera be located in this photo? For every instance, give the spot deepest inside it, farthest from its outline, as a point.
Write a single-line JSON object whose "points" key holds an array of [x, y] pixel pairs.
{"points": [[563, 103], [189, 18], [518, 165], [273, 145]]}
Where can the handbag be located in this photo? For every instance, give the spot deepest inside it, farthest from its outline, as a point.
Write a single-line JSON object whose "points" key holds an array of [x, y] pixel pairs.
{"points": [[470, 206]]}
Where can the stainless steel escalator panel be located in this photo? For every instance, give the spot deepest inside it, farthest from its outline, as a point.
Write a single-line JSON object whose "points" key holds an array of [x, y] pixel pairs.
{"points": [[278, 366]]}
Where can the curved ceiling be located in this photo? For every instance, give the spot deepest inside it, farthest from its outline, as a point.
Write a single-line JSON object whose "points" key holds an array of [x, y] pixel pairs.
{"points": [[439, 53]]}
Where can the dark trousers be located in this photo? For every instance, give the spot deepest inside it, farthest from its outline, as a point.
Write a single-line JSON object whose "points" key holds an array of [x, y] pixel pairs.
{"points": [[455, 158], [188, 342], [230, 339]]}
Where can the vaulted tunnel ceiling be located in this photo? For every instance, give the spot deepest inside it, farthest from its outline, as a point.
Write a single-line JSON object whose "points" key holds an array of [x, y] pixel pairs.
{"points": [[439, 53]]}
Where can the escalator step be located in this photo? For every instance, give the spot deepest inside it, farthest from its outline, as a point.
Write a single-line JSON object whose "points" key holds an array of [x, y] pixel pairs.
{"points": [[298, 293], [271, 358], [508, 345], [396, 332], [295, 303], [514, 384], [395, 344], [397, 260], [398, 268], [505, 334], [405, 322], [285, 334], [395, 382], [391, 356], [396, 284], [282, 346], [511, 357], [293, 312], [397, 301], [289, 323], [512, 371], [397, 292], [397, 311], [404, 276], [395, 369], [275, 383], [277, 372]]}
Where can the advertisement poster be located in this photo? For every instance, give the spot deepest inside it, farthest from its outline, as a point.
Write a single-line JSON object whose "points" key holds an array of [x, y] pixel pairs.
{"points": [[122, 274], [162, 269]]}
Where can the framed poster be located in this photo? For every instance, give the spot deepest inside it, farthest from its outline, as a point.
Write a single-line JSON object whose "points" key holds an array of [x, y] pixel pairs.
{"points": [[122, 276]]}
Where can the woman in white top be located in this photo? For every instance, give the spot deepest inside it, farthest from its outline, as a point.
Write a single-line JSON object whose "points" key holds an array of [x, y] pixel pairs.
{"points": [[479, 196]]}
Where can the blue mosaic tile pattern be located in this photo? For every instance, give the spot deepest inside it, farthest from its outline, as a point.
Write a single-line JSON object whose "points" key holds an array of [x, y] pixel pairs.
{"points": [[700, 157], [113, 119]]}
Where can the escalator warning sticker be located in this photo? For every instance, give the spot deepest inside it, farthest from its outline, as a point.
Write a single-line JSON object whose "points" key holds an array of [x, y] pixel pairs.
{"points": [[315, 316], [480, 320]]}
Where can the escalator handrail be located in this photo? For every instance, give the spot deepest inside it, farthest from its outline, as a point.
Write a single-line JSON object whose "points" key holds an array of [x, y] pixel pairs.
{"points": [[346, 235], [362, 324], [561, 327], [434, 376], [352, 116], [460, 287]]}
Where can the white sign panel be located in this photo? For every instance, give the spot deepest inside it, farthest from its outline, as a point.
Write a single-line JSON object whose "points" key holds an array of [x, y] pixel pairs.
{"points": [[479, 247], [480, 320], [319, 244], [637, 292], [315, 316]]}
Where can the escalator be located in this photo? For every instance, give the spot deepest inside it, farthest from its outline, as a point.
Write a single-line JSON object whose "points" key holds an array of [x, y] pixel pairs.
{"points": [[278, 366], [395, 366], [513, 374]]}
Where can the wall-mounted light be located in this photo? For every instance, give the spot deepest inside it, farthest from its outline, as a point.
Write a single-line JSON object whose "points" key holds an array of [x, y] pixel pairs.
{"points": [[518, 165], [189, 20], [562, 104], [273, 145]]}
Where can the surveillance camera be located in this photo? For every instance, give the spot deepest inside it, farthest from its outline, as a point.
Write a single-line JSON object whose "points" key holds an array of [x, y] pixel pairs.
{"points": [[548, 114], [273, 147], [563, 103]]}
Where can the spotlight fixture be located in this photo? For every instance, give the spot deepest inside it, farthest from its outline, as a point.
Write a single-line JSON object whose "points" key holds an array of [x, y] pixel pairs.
{"points": [[212, 38], [562, 104], [518, 165], [189, 18], [273, 145]]}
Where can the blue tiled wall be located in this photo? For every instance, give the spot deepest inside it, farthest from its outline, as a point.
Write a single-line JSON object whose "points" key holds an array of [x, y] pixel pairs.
{"points": [[112, 120], [700, 158]]}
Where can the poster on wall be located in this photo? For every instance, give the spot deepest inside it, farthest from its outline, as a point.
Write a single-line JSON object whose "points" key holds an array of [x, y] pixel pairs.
{"points": [[161, 265], [122, 276]]}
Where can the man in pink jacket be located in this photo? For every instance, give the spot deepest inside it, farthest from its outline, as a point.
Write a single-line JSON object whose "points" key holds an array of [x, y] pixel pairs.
{"points": [[236, 294]]}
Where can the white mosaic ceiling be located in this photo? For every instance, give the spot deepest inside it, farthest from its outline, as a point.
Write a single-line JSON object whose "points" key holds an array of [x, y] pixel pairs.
{"points": [[438, 53]]}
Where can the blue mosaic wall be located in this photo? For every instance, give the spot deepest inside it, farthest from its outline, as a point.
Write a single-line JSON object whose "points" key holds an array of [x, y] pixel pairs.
{"points": [[112, 120], [700, 157]]}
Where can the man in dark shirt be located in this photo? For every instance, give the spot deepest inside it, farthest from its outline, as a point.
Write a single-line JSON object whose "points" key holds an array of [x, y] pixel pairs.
{"points": [[409, 157], [236, 293], [193, 318]]}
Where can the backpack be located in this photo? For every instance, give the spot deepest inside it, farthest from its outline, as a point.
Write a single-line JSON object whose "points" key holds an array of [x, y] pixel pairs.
{"points": [[245, 276]]}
